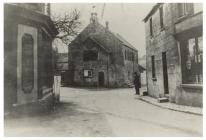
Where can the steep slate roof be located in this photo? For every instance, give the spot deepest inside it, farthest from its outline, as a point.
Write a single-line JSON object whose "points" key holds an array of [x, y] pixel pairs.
{"points": [[99, 43], [125, 42], [100, 36]]}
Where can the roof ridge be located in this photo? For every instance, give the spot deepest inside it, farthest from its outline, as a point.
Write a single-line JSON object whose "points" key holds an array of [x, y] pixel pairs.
{"points": [[120, 38]]}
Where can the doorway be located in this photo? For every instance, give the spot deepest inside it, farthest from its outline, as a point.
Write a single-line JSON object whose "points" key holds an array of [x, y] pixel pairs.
{"points": [[101, 79], [165, 74]]}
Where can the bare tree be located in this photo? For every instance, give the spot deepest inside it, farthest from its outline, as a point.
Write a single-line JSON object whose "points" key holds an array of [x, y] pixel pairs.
{"points": [[68, 26]]}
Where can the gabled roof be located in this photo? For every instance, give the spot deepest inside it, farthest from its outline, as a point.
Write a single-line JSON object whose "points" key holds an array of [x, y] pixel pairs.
{"points": [[154, 8], [120, 38], [97, 36], [126, 43], [98, 43]]}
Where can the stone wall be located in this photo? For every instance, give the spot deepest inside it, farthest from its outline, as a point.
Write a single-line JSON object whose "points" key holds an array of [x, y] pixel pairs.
{"points": [[163, 40], [10, 63], [16, 25], [129, 66], [96, 66], [111, 59]]}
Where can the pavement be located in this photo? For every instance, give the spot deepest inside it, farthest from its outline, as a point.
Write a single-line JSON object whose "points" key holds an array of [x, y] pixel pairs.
{"points": [[168, 105], [171, 106], [92, 112]]}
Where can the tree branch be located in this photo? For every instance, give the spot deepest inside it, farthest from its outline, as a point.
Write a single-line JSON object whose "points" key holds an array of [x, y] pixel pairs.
{"points": [[68, 25]]}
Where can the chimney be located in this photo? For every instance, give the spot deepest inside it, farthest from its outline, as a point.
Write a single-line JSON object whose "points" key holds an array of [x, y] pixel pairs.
{"points": [[107, 25]]}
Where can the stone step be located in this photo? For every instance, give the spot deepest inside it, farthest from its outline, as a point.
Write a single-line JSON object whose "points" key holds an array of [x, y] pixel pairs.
{"points": [[163, 100], [144, 93]]}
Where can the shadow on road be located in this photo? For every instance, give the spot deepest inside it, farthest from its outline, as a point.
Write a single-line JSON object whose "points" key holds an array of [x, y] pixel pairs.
{"points": [[97, 88]]}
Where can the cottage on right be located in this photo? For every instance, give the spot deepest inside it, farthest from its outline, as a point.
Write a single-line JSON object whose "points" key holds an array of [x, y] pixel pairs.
{"points": [[174, 53]]}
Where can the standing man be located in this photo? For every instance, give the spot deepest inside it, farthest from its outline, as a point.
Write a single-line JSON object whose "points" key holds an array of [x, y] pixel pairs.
{"points": [[137, 82]]}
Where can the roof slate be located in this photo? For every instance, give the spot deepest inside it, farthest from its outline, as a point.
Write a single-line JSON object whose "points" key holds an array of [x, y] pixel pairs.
{"points": [[100, 37]]}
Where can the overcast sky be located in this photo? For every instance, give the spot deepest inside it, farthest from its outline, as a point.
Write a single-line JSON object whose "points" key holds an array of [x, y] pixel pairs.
{"points": [[125, 19]]}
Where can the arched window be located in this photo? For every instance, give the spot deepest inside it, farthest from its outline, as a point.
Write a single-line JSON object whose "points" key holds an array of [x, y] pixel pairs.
{"points": [[27, 63]]}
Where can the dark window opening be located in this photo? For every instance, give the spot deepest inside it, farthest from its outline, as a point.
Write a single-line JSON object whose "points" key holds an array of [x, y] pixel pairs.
{"points": [[129, 55], [90, 55], [161, 17], [151, 30], [153, 67]]}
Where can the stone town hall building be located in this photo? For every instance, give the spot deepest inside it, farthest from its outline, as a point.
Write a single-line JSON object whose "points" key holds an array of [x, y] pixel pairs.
{"points": [[174, 51], [98, 57]]}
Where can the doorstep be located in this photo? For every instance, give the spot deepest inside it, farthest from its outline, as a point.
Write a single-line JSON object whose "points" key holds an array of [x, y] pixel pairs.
{"points": [[171, 106]]}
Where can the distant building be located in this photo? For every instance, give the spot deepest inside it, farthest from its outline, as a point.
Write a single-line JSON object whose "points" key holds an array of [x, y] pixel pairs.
{"points": [[174, 51], [28, 75], [62, 67], [142, 69], [98, 57]]}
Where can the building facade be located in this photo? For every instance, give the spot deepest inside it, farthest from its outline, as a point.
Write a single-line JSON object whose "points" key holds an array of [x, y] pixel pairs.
{"points": [[142, 65], [174, 53], [62, 67], [98, 57], [28, 75]]}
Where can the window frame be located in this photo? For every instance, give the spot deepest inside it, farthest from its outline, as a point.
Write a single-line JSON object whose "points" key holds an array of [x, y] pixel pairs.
{"points": [[193, 70], [88, 70]]}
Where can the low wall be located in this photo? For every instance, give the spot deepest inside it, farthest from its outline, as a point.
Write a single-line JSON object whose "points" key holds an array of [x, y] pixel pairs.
{"points": [[42, 105], [190, 96]]}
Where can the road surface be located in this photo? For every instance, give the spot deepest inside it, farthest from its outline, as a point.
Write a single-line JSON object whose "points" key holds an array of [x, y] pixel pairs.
{"points": [[104, 112]]}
